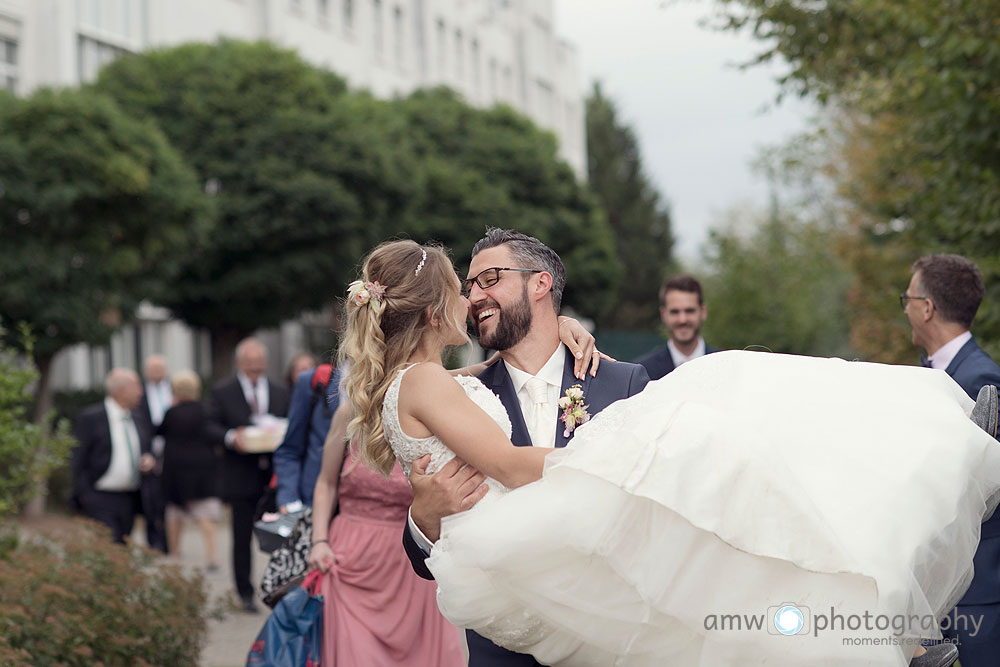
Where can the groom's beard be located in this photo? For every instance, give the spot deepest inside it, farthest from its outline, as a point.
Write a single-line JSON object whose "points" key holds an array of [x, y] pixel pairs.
{"points": [[513, 325]]}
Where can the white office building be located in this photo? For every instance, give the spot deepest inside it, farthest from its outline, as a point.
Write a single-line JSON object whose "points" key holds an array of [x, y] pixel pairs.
{"points": [[491, 51]]}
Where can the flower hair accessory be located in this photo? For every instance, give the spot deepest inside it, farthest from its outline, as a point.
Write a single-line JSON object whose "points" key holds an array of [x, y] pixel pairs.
{"points": [[574, 412], [361, 293], [421, 264]]}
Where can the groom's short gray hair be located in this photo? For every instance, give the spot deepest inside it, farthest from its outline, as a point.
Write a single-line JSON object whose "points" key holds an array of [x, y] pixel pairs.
{"points": [[531, 254]]}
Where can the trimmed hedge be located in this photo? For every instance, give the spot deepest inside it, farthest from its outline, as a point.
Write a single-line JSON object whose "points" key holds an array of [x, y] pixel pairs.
{"points": [[68, 596]]}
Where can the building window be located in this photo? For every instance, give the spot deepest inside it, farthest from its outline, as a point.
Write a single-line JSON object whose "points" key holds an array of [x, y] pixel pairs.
{"points": [[92, 55], [348, 11], [323, 10], [494, 92], [459, 56], [441, 46], [377, 36], [398, 31], [296, 6], [508, 83], [8, 64], [109, 16], [476, 75]]}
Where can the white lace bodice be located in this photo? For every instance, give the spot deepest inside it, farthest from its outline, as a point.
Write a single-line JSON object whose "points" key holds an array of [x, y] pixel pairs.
{"points": [[408, 449]]}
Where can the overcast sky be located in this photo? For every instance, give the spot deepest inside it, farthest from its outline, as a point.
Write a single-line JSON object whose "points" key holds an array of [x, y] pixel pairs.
{"points": [[699, 119]]}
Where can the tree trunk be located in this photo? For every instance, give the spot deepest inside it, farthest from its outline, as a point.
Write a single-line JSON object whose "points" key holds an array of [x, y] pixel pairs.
{"points": [[224, 341], [43, 404]]}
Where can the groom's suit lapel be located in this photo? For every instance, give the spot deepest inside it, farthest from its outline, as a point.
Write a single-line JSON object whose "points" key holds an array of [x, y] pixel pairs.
{"points": [[502, 386], [568, 381]]}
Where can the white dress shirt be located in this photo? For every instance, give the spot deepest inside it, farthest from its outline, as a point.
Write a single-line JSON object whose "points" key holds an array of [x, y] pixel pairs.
{"points": [[261, 393], [943, 357], [159, 397], [552, 374], [680, 358], [123, 471]]}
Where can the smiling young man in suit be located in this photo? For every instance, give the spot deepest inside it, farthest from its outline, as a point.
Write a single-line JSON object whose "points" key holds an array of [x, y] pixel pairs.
{"points": [[112, 454], [233, 405], [514, 286], [683, 311], [940, 302]]}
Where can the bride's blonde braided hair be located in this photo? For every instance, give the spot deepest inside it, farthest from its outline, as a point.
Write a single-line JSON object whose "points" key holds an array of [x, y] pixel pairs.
{"points": [[402, 285]]}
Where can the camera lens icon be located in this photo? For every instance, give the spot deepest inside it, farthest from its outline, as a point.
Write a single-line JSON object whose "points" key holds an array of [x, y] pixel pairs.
{"points": [[788, 619]]}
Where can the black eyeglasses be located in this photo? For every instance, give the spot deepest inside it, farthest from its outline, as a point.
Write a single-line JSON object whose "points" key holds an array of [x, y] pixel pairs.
{"points": [[904, 297], [490, 277]]}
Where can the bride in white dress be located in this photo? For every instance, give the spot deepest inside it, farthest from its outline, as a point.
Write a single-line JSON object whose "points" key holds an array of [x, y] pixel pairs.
{"points": [[747, 509]]}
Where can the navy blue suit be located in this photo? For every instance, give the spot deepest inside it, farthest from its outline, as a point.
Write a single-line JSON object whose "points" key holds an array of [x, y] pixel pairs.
{"points": [[973, 369], [614, 381], [659, 362], [298, 459]]}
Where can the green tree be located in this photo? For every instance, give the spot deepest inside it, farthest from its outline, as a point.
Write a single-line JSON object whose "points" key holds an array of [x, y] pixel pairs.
{"points": [[917, 82], [304, 181], [775, 283], [639, 218], [494, 167], [95, 210]]}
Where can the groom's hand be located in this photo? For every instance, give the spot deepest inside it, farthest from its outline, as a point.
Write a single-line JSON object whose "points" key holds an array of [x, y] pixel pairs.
{"points": [[454, 488]]}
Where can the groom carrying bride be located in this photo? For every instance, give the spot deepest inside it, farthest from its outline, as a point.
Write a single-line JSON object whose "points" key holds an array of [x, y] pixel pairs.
{"points": [[514, 286]]}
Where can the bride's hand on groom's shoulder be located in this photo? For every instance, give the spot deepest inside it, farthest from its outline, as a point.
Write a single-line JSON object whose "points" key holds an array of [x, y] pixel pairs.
{"points": [[582, 345], [454, 488]]}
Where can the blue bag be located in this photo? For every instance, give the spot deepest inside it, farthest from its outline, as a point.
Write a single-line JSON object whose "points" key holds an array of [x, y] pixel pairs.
{"points": [[292, 636]]}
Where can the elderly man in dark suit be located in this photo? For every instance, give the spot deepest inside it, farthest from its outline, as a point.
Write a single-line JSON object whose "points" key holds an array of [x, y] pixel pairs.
{"points": [[535, 371], [113, 454], [683, 311], [940, 302], [234, 405]]}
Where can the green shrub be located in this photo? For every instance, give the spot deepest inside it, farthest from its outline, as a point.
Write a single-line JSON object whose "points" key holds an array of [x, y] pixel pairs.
{"points": [[68, 596], [28, 452]]}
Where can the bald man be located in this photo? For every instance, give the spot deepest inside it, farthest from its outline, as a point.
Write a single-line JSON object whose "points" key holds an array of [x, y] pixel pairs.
{"points": [[234, 405], [112, 454]]}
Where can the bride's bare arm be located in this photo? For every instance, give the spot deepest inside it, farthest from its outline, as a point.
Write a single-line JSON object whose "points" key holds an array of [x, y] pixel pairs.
{"points": [[432, 403]]}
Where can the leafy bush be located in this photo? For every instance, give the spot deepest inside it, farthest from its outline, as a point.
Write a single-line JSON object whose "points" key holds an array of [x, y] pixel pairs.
{"points": [[28, 452], [68, 596]]}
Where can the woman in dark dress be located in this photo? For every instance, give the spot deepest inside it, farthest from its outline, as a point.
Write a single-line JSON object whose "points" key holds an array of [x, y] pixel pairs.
{"points": [[190, 466]]}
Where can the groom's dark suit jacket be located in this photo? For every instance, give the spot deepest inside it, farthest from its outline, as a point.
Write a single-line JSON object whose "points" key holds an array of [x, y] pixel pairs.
{"points": [[973, 369], [614, 381]]}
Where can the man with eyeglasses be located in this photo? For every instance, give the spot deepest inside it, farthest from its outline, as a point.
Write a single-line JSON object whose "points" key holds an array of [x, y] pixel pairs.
{"points": [[514, 286], [940, 302]]}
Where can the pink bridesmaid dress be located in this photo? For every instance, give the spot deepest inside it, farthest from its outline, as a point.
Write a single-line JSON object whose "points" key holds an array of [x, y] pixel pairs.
{"points": [[378, 612]]}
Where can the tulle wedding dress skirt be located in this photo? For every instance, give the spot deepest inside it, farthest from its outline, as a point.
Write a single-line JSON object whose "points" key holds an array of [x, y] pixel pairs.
{"points": [[747, 509]]}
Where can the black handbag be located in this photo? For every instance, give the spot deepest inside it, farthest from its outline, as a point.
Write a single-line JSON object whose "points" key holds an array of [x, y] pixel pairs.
{"points": [[289, 561]]}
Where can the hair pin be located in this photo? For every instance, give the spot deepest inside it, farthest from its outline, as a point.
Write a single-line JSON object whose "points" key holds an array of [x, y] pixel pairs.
{"points": [[421, 264]]}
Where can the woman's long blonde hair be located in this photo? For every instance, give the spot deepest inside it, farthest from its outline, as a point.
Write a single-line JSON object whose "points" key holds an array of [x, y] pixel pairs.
{"points": [[383, 333]]}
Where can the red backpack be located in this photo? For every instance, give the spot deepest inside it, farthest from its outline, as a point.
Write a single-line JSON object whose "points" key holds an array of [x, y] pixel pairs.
{"points": [[320, 382]]}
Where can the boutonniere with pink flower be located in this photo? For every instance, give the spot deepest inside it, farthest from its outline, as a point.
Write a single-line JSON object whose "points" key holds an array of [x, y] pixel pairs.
{"points": [[574, 412]]}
